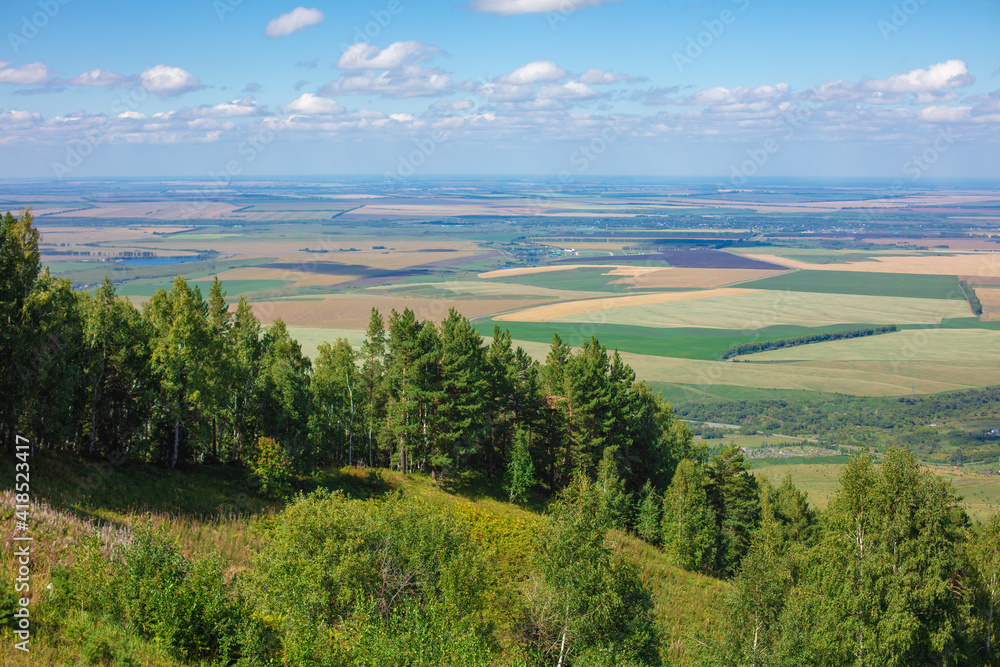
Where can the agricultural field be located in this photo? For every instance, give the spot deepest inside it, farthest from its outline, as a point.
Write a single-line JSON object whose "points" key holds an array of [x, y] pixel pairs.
{"points": [[671, 276], [820, 476]]}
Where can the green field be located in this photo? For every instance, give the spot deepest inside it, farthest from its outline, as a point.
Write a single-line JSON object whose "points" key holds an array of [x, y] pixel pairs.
{"points": [[863, 283], [684, 342]]}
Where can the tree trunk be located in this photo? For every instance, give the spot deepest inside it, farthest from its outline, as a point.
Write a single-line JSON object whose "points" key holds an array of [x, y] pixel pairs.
{"points": [[177, 444]]}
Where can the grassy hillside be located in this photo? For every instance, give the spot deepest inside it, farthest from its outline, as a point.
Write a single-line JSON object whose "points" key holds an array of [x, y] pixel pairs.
{"points": [[215, 512]]}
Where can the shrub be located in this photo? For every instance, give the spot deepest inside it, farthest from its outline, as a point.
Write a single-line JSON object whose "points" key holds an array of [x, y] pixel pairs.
{"points": [[273, 468]]}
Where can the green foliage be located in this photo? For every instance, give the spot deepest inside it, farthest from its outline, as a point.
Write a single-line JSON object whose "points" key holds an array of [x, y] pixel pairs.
{"points": [[970, 294], [337, 567], [984, 557], [146, 584], [689, 529], [272, 467], [612, 500], [878, 588], [733, 498], [587, 607], [520, 469], [650, 509]]}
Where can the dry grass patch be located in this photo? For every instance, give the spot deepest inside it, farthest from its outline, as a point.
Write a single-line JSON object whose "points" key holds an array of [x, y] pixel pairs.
{"points": [[673, 277], [947, 345], [348, 312], [976, 264], [735, 308], [568, 311]]}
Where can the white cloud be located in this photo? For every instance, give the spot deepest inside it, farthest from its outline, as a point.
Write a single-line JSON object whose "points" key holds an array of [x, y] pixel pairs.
{"points": [[595, 76], [313, 105], [409, 81], [943, 114], [453, 105], [568, 90], [132, 115], [237, 108], [535, 72], [402, 117], [942, 76], [25, 75], [297, 19], [368, 56], [166, 81], [510, 7], [99, 78]]}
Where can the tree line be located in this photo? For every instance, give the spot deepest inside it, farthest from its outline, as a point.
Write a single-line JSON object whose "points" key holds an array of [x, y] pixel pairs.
{"points": [[188, 380], [766, 345], [972, 297]]}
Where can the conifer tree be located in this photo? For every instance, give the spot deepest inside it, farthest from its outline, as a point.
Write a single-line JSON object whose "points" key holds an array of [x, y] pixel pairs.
{"points": [[520, 475], [373, 353]]}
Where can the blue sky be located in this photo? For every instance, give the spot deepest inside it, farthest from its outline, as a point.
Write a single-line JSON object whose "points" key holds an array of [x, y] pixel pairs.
{"points": [[733, 89]]}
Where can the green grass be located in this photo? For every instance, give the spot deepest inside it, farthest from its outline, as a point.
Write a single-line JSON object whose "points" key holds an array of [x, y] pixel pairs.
{"points": [[683, 342], [214, 510], [862, 283]]}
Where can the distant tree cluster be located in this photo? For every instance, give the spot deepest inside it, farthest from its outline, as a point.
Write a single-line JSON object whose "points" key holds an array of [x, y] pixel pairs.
{"points": [[973, 298], [764, 346]]}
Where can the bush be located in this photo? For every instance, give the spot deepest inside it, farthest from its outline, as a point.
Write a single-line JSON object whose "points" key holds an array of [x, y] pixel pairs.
{"points": [[273, 468], [148, 585]]}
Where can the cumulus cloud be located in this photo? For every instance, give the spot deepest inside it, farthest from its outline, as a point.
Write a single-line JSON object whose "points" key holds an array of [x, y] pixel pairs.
{"points": [[595, 76], [408, 81], [535, 72], [569, 90], [100, 78], [237, 108], [165, 81], [313, 105], [511, 7], [364, 55], [25, 75], [942, 76], [297, 19]]}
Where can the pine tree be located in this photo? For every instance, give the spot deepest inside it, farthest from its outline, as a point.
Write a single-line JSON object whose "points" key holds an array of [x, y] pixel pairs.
{"points": [[984, 556], [463, 387], [733, 498], [244, 388], [284, 385]]}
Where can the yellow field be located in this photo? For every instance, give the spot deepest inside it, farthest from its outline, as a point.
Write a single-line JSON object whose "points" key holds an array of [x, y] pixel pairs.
{"points": [[990, 298], [734, 308], [311, 337], [927, 345], [565, 312], [974, 264], [672, 277], [350, 312], [460, 288]]}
